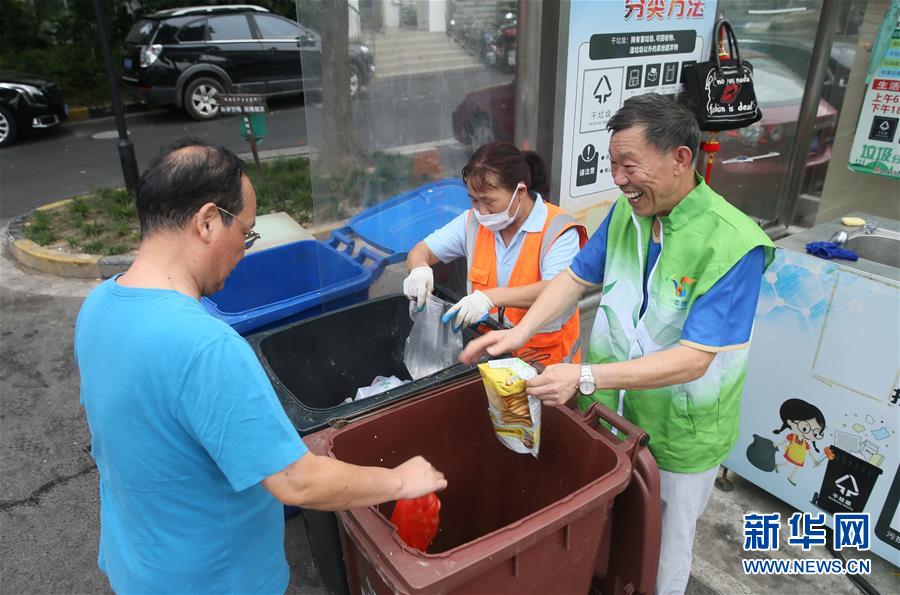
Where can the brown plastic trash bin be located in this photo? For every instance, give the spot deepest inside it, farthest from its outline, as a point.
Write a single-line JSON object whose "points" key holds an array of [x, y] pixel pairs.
{"points": [[629, 552], [509, 522]]}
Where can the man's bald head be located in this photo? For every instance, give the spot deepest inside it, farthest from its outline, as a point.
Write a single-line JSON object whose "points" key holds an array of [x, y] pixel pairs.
{"points": [[187, 175]]}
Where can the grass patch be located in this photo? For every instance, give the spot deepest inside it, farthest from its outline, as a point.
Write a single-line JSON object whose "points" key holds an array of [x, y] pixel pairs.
{"points": [[105, 221], [40, 229], [284, 186]]}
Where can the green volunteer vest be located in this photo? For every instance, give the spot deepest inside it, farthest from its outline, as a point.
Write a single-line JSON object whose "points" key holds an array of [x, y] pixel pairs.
{"points": [[692, 426]]}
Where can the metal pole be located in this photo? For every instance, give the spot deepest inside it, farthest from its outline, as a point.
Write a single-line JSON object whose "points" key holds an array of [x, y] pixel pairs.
{"points": [[528, 71], [126, 149], [815, 79], [251, 138]]}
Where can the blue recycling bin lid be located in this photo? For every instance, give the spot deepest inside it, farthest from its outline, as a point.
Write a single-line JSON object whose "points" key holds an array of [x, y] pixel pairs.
{"points": [[291, 282], [398, 224]]}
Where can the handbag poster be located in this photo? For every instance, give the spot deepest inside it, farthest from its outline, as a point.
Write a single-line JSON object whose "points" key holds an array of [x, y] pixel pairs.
{"points": [[618, 49]]}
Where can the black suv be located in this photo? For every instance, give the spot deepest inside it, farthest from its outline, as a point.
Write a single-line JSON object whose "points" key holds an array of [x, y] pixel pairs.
{"points": [[28, 102], [186, 56]]}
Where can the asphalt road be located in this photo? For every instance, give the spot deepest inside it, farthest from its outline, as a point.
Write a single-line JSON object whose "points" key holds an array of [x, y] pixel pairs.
{"points": [[80, 156], [49, 497]]}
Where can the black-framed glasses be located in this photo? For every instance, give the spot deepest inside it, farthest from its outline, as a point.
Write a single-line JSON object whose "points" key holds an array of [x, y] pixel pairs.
{"points": [[250, 236]]}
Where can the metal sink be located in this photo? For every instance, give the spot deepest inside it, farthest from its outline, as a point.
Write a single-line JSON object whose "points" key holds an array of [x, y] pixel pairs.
{"points": [[878, 250], [879, 247]]}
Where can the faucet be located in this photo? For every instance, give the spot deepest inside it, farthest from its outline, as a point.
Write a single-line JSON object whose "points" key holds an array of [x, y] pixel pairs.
{"points": [[870, 228], [838, 237]]}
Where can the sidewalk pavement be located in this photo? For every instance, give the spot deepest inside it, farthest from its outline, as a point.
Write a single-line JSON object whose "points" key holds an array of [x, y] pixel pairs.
{"points": [[49, 503]]}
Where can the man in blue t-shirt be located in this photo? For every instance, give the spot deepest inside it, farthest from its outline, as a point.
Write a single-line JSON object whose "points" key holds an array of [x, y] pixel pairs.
{"points": [[196, 455]]}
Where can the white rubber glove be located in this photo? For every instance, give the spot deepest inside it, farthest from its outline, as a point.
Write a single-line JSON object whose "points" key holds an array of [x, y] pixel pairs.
{"points": [[473, 308], [418, 285]]}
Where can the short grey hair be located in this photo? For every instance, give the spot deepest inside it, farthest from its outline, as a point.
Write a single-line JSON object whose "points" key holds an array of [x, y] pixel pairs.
{"points": [[667, 124]]}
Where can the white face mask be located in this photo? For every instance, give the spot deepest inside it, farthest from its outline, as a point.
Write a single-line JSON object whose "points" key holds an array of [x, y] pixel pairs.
{"points": [[499, 221]]}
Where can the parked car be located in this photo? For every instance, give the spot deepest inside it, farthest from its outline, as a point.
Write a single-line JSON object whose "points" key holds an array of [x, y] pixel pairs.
{"points": [[28, 102], [486, 115], [187, 56], [797, 54]]}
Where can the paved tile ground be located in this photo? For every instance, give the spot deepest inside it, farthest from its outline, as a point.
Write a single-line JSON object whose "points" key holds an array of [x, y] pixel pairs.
{"points": [[49, 498]]}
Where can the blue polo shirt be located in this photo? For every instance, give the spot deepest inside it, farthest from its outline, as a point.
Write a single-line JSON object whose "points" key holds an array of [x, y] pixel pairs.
{"points": [[449, 242], [184, 426], [722, 317]]}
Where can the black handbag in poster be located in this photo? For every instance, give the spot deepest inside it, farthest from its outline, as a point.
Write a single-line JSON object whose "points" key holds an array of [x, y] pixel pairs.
{"points": [[720, 91]]}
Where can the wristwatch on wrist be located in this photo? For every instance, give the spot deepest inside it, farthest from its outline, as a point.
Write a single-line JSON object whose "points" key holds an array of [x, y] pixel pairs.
{"points": [[586, 384]]}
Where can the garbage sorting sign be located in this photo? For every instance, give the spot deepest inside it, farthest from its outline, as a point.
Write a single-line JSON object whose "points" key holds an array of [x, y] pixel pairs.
{"points": [[618, 49], [876, 144]]}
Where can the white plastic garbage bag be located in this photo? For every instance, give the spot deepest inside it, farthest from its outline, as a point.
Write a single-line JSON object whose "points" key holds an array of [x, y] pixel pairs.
{"points": [[431, 345], [381, 384]]}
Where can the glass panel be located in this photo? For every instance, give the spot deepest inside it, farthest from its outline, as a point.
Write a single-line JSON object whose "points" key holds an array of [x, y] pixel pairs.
{"points": [[427, 84], [194, 31], [840, 63], [275, 28], [229, 28], [846, 191], [776, 37], [142, 31]]}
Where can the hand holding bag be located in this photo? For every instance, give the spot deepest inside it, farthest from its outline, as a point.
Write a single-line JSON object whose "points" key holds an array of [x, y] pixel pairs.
{"points": [[720, 91]]}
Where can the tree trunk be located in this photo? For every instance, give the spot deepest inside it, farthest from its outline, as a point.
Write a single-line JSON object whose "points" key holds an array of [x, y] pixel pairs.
{"points": [[339, 152]]}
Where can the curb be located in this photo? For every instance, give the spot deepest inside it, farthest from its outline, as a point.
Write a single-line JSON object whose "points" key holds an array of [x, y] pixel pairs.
{"points": [[426, 159], [80, 113], [62, 264]]}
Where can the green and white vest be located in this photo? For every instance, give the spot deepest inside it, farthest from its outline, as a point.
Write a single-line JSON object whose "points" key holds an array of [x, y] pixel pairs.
{"points": [[692, 426]]}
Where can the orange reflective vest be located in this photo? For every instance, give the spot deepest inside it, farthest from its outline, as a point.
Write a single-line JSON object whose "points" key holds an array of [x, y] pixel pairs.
{"points": [[561, 339]]}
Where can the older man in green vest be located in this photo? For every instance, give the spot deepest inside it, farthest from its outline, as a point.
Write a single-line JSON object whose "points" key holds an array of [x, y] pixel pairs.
{"points": [[680, 270]]}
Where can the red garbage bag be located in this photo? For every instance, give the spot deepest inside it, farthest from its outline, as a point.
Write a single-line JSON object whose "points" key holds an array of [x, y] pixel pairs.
{"points": [[417, 520]]}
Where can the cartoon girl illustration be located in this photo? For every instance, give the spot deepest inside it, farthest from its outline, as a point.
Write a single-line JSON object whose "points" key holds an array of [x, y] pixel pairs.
{"points": [[807, 424]]}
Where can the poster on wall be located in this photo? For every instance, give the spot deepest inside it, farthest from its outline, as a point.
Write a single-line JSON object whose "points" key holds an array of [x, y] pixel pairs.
{"points": [[876, 145], [618, 49], [820, 421]]}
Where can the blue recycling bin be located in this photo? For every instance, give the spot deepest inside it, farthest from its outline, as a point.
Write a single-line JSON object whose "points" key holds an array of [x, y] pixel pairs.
{"points": [[292, 282], [396, 225]]}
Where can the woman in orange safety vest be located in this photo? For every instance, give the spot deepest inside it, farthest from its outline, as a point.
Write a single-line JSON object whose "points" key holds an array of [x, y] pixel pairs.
{"points": [[514, 243]]}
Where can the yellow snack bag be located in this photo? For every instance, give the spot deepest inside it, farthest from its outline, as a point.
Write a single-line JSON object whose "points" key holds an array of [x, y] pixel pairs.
{"points": [[515, 414]]}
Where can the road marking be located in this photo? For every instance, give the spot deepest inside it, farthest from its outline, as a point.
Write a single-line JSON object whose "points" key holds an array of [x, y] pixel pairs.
{"points": [[105, 135]]}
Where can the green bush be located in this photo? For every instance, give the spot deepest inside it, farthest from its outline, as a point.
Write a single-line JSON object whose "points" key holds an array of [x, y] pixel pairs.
{"points": [[105, 221]]}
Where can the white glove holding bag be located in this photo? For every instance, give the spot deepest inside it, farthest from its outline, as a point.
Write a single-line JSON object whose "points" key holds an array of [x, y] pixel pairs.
{"points": [[418, 285], [472, 309]]}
